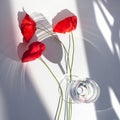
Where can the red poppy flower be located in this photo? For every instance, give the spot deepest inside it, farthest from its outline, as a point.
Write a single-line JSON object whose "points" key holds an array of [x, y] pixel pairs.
{"points": [[66, 25], [35, 51], [28, 27]]}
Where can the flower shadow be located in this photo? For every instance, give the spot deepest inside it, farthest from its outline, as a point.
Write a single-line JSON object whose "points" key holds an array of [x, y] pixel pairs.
{"points": [[61, 15], [23, 46], [44, 33], [18, 96]]}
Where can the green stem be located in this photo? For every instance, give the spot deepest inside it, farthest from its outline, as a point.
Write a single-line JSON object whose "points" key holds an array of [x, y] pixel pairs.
{"points": [[48, 31], [53, 36], [71, 67], [58, 85], [73, 51], [70, 110]]}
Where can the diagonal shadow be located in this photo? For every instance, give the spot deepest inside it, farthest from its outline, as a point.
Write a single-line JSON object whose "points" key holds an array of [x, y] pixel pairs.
{"points": [[54, 51], [16, 103], [19, 95], [103, 65]]}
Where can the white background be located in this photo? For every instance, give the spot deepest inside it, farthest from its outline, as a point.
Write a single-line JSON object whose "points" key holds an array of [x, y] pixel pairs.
{"points": [[29, 92]]}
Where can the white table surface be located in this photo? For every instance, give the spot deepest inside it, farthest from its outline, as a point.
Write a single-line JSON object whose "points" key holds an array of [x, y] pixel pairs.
{"points": [[29, 92]]}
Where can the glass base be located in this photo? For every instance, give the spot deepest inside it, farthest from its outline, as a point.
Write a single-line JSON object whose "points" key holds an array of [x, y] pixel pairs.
{"points": [[79, 91]]}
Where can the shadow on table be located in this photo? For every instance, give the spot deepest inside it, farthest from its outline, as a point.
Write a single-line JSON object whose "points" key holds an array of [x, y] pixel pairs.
{"points": [[103, 63], [18, 102]]}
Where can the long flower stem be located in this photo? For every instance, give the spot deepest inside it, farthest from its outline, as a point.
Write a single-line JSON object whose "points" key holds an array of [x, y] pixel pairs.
{"points": [[71, 67], [58, 85], [53, 36], [73, 51]]}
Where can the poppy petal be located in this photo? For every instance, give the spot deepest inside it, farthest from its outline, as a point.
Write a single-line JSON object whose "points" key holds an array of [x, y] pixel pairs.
{"points": [[28, 27], [66, 25], [35, 51]]}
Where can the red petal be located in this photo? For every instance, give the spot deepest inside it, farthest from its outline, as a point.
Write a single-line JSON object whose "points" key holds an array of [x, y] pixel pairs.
{"points": [[28, 27], [28, 20], [66, 25], [35, 51]]}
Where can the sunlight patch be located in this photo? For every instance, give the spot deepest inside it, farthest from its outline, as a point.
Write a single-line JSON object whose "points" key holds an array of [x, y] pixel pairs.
{"points": [[107, 15], [103, 25], [115, 102]]}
